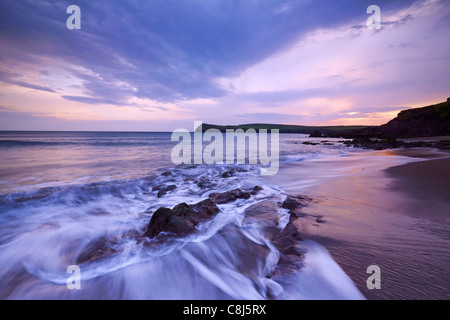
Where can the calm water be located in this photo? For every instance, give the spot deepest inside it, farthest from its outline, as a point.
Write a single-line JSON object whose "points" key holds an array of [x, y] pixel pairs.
{"points": [[32, 160]]}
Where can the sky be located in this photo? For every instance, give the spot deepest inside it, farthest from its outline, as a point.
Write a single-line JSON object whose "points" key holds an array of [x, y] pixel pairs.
{"points": [[160, 65]]}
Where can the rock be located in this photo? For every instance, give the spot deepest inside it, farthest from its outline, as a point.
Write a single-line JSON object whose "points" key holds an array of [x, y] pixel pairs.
{"points": [[229, 196], [178, 226], [163, 191], [291, 254], [227, 174], [293, 202], [196, 213], [205, 209], [316, 134], [164, 220], [96, 250], [287, 239], [181, 220], [166, 173], [182, 210], [158, 187], [256, 190], [205, 183], [231, 172], [320, 220], [158, 222], [310, 143], [376, 144]]}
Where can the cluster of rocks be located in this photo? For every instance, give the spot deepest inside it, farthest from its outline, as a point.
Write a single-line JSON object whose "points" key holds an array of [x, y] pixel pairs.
{"points": [[182, 219], [392, 143], [288, 240]]}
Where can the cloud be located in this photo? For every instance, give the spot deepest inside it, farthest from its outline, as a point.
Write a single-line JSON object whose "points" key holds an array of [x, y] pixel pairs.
{"points": [[223, 60], [89, 100], [168, 51], [268, 117], [13, 79], [31, 86]]}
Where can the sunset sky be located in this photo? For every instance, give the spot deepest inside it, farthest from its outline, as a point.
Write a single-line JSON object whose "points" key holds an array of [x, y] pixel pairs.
{"points": [[159, 65]]}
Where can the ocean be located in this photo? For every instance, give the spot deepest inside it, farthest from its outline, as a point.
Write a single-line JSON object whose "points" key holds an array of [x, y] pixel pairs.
{"points": [[62, 193]]}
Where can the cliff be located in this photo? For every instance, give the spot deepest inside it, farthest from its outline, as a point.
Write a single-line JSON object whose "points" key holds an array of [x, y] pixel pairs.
{"points": [[427, 121]]}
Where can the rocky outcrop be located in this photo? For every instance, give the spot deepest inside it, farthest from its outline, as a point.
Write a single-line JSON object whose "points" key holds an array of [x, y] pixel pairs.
{"points": [[181, 220], [95, 250], [428, 121], [163, 190], [229, 196], [256, 190], [293, 202], [291, 254], [383, 144]]}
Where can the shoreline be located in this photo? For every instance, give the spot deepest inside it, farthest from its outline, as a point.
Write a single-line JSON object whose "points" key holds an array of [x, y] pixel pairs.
{"points": [[396, 218]]}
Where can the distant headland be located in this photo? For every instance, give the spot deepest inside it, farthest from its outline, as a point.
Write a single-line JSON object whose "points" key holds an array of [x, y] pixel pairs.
{"points": [[433, 120]]}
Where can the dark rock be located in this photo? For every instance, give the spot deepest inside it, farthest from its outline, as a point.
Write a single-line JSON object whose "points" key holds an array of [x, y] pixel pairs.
{"points": [[229, 196], [178, 226], [316, 134], [376, 144], [288, 238], [157, 222], [164, 220], [310, 143], [181, 220], [227, 174], [196, 213], [205, 183], [230, 173], [293, 202], [166, 173], [163, 191], [182, 210], [320, 220], [205, 209], [256, 190], [291, 254]]}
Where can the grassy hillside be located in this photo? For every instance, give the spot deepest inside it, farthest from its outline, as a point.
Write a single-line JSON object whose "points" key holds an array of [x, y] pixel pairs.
{"points": [[325, 130]]}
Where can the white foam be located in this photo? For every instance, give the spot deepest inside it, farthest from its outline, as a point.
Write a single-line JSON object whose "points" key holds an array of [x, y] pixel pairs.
{"points": [[321, 278]]}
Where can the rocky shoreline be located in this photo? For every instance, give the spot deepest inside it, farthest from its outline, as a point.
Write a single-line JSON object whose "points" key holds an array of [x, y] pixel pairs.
{"points": [[180, 221], [392, 143]]}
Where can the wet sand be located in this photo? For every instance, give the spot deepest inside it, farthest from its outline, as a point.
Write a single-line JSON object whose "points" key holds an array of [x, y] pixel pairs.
{"points": [[426, 184], [396, 218]]}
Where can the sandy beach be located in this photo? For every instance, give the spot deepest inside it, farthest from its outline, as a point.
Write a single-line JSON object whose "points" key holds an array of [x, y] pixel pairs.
{"points": [[396, 218]]}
